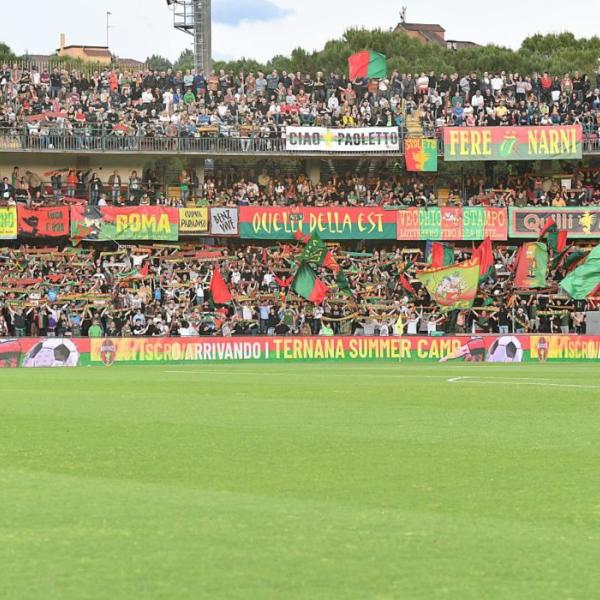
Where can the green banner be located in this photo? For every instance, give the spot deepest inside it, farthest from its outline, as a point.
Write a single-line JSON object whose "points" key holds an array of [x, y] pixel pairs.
{"points": [[108, 223]]}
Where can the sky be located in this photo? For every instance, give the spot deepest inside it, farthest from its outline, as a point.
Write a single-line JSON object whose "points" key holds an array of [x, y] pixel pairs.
{"points": [[262, 28]]}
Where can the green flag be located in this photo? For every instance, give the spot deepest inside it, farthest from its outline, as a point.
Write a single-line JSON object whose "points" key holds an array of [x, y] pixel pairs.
{"points": [[453, 287], [309, 286], [343, 284], [315, 250], [585, 279]]}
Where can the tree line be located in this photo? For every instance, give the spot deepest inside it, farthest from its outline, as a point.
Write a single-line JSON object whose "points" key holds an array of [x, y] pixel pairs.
{"points": [[555, 53]]}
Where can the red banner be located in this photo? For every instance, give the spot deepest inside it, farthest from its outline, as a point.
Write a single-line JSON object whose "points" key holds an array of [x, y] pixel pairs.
{"points": [[43, 222], [549, 142], [452, 224]]}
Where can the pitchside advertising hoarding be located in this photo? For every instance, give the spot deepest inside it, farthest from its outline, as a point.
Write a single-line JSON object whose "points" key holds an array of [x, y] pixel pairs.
{"points": [[452, 224], [81, 352], [352, 139], [580, 223], [331, 223], [513, 143]]}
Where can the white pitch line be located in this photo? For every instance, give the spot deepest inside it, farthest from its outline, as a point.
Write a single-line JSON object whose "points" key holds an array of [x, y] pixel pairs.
{"points": [[539, 383], [463, 379]]}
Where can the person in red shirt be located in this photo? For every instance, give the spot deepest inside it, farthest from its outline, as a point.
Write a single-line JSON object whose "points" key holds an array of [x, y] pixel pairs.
{"points": [[71, 183]]}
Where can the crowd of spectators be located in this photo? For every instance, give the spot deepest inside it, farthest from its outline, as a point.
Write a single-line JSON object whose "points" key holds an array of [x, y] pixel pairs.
{"points": [[186, 104], [242, 188], [160, 291]]}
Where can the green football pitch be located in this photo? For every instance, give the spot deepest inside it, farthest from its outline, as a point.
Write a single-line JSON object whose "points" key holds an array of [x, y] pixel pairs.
{"points": [[320, 480]]}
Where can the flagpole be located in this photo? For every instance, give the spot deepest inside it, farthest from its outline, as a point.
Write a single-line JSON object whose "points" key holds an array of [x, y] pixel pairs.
{"points": [[108, 14]]}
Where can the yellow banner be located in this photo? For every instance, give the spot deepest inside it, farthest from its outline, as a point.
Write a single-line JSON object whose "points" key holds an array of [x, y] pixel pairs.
{"points": [[8, 223], [193, 221]]}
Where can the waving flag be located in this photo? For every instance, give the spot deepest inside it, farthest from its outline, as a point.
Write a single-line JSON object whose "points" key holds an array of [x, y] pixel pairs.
{"points": [[532, 266], [453, 287], [584, 281], [367, 64], [309, 286]]}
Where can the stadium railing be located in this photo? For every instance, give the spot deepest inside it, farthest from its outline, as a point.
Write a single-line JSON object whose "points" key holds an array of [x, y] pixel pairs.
{"points": [[22, 140]]}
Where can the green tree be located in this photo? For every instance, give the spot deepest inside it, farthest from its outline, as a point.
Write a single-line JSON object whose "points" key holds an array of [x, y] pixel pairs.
{"points": [[185, 61], [158, 63]]}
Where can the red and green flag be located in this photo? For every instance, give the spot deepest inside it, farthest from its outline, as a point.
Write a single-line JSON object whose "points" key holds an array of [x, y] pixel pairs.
{"points": [[367, 64], [421, 155], [556, 238], [584, 281], [439, 254], [309, 286], [454, 287], [532, 265], [485, 254]]}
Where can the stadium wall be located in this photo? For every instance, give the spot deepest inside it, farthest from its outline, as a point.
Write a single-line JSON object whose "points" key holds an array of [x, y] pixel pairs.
{"points": [[83, 352]]}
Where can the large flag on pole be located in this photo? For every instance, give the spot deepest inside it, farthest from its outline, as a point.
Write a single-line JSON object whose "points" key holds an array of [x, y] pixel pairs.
{"points": [[532, 266], [453, 287], [584, 281], [367, 64]]}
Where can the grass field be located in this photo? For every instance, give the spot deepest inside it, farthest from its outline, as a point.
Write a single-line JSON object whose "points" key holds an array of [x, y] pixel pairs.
{"points": [[301, 481]]}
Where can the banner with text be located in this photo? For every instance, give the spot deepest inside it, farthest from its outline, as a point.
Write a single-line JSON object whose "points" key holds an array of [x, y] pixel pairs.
{"points": [[578, 222], [8, 223], [513, 143], [76, 352], [452, 224], [334, 223], [224, 222], [355, 139], [95, 223], [193, 221], [43, 222]]}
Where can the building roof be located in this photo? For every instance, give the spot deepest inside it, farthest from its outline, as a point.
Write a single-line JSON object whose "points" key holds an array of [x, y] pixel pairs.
{"points": [[90, 51], [421, 27]]}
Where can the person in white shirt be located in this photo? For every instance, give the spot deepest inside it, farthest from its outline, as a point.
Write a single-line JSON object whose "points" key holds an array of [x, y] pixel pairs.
{"points": [[477, 100], [412, 323], [497, 84]]}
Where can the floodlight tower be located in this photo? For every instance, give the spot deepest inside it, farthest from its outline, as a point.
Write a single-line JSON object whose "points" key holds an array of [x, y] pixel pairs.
{"points": [[194, 18]]}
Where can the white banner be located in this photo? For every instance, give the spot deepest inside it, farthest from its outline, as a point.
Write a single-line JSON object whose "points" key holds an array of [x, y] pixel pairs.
{"points": [[224, 221], [355, 139]]}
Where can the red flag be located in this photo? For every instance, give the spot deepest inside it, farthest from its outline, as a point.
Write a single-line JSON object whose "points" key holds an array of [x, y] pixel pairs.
{"points": [[143, 272], [406, 285], [550, 223], [284, 283], [561, 241], [301, 237], [330, 263], [437, 255], [486, 257], [218, 289]]}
